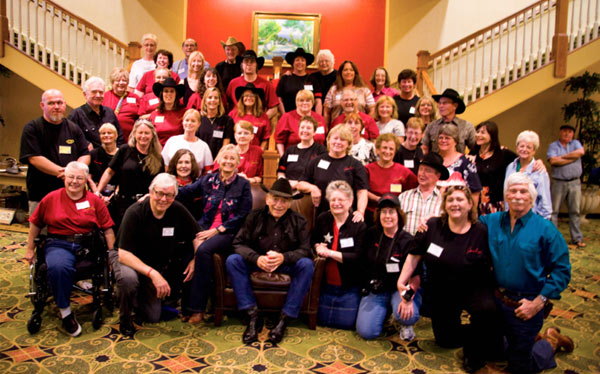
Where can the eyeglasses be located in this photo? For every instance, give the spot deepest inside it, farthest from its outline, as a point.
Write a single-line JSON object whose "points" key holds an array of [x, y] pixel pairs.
{"points": [[77, 178], [160, 195]]}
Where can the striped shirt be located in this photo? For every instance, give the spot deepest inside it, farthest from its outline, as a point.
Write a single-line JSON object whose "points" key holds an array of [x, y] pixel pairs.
{"points": [[416, 207]]}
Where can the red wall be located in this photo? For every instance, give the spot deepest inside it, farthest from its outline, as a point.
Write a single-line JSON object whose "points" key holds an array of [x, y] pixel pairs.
{"points": [[352, 29]]}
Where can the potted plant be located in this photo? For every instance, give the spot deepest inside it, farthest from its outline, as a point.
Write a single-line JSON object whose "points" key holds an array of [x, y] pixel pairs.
{"points": [[585, 111]]}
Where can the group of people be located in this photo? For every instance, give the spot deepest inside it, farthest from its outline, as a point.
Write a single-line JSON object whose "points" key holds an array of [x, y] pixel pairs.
{"points": [[408, 223]]}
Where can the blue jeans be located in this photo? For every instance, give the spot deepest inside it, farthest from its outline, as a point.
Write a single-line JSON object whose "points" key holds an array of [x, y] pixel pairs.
{"points": [[374, 308], [572, 192], [60, 259], [525, 355], [338, 306], [301, 273]]}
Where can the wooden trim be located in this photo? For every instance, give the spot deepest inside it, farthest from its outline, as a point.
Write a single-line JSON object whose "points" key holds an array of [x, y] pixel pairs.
{"points": [[271, 157], [423, 58], [429, 83], [560, 40], [4, 35]]}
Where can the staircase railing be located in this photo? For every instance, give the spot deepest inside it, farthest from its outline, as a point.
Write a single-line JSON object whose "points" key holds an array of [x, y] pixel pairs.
{"points": [[61, 41], [489, 59]]}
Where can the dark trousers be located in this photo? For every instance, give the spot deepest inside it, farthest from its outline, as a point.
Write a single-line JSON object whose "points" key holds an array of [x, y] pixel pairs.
{"points": [[203, 272]]}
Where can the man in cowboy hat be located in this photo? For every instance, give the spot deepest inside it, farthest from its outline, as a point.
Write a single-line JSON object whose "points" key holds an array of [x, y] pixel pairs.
{"points": [[298, 79], [272, 239], [181, 66], [231, 67], [450, 104], [251, 64], [91, 115]]}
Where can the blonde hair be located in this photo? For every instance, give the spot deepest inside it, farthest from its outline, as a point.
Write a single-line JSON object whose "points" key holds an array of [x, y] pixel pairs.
{"points": [[220, 110], [227, 148], [434, 108], [152, 162], [118, 73], [244, 125], [257, 108], [344, 132], [305, 94], [193, 55], [192, 112], [149, 36], [386, 99], [111, 127]]}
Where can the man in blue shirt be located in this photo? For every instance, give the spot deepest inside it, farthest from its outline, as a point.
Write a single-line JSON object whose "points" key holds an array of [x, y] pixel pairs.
{"points": [[565, 157], [531, 265], [181, 67]]}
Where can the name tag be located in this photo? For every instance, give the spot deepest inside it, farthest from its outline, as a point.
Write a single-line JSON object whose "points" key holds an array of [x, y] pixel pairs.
{"points": [[218, 134], [395, 188], [347, 242], [338, 97], [392, 268], [181, 70], [411, 110], [82, 205], [409, 164], [320, 130], [362, 132], [308, 87], [168, 231], [154, 101], [435, 249], [130, 100], [323, 164], [292, 158], [159, 119], [255, 129], [64, 149]]}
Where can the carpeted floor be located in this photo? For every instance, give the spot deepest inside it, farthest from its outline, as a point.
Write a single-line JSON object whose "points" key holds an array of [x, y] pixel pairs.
{"points": [[174, 347]]}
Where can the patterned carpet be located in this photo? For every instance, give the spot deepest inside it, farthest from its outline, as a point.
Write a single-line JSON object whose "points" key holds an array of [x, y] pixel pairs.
{"points": [[174, 347]]}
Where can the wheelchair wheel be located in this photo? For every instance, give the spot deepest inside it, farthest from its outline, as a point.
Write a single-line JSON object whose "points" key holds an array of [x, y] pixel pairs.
{"points": [[97, 319], [34, 323]]}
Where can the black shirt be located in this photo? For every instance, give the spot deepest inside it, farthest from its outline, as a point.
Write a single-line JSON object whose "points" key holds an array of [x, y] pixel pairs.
{"points": [[60, 144], [403, 154], [128, 165], [229, 71], [404, 108], [350, 244], [325, 81], [214, 131], [153, 240], [99, 163], [294, 166], [289, 85], [89, 122], [492, 170]]}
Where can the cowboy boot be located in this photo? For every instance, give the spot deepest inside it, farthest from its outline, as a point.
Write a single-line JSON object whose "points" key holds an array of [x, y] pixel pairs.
{"points": [[276, 334], [254, 326], [558, 341]]}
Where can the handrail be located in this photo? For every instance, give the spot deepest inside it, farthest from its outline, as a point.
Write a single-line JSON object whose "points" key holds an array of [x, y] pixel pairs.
{"points": [[429, 83]]}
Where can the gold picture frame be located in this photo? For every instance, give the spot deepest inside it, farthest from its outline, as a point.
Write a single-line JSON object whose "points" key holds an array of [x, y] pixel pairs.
{"points": [[275, 34]]}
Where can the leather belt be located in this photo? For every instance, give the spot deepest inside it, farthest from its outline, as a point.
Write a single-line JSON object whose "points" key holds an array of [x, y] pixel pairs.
{"points": [[504, 299], [77, 238]]}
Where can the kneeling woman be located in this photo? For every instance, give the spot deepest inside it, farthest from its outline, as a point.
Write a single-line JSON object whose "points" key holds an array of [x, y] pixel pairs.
{"points": [[387, 246], [225, 202], [337, 238]]}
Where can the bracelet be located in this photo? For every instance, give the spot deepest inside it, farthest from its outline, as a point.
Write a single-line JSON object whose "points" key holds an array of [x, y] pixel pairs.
{"points": [[148, 273]]}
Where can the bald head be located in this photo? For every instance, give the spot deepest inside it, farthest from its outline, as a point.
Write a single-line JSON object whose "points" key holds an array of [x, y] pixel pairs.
{"points": [[189, 46], [53, 106]]}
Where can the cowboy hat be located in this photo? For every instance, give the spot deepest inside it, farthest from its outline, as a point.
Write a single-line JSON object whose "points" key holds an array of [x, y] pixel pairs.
{"points": [[231, 41], [158, 87], [454, 96], [291, 56], [239, 91], [260, 61], [282, 188], [437, 162]]}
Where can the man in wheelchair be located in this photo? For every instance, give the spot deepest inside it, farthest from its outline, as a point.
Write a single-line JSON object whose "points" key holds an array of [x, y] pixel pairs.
{"points": [[71, 214]]}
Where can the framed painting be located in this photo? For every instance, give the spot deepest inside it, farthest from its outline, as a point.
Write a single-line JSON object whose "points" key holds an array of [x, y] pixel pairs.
{"points": [[275, 34]]}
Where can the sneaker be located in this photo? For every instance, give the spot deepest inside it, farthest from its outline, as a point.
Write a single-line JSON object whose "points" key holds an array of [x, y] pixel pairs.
{"points": [[407, 333], [71, 325]]}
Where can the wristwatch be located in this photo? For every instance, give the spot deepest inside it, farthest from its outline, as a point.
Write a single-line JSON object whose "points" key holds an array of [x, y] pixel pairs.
{"points": [[544, 298]]}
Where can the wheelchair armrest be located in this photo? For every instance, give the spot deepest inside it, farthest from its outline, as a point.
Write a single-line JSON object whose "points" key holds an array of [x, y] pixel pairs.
{"points": [[315, 287], [219, 278]]}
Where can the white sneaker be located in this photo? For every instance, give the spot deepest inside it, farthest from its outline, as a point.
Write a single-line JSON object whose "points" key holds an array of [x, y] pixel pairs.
{"points": [[407, 333]]}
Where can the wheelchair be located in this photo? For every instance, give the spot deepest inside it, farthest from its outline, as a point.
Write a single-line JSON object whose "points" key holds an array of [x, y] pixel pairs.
{"points": [[91, 263]]}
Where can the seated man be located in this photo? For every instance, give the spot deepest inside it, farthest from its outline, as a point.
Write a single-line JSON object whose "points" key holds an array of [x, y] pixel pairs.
{"points": [[273, 238], [151, 233]]}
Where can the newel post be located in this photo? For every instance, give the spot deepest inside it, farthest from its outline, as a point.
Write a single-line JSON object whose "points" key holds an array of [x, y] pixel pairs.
{"points": [[423, 58], [560, 40]]}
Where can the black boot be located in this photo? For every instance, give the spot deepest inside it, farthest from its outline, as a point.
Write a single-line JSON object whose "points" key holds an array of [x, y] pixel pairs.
{"points": [[276, 334], [254, 326], [126, 327]]}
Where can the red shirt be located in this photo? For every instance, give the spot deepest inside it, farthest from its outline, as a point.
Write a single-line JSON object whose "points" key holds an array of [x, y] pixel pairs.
{"points": [[370, 131], [395, 179], [167, 123], [251, 162], [286, 132], [64, 216], [262, 125], [332, 272], [271, 99], [145, 84], [128, 112], [148, 103]]}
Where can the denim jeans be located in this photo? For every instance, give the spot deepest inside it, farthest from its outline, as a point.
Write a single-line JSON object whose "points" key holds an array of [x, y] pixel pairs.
{"points": [[60, 259], [570, 190], [338, 306], [301, 272], [374, 308]]}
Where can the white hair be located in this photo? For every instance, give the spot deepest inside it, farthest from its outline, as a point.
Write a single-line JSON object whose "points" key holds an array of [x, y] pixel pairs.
{"points": [[529, 137], [91, 80], [164, 180], [149, 36], [326, 53], [77, 166], [341, 186], [521, 178]]}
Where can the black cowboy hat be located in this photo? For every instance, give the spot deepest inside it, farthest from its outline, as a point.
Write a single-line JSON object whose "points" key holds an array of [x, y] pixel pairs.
{"points": [[157, 88], [232, 41], [454, 96], [282, 188], [239, 91], [388, 199], [260, 61], [291, 56], [437, 162]]}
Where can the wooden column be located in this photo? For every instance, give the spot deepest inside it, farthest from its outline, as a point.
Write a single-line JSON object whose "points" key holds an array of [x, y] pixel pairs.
{"points": [[560, 40], [133, 52], [422, 65], [4, 35]]}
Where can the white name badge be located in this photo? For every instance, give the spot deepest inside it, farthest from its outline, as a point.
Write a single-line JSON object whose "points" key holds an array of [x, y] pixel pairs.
{"points": [[392, 268], [411, 110], [409, 164], [159, 119], [320, 130], [362, 132], [308, 87], [323, 164], [82, 205], [255, 129], [338, 97], [181, 70], [153, 101], [218, 134], [168, 231], [435, 249], [64, 149], [347, 242], [396, 188], [130, 100], [292, 158]]}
